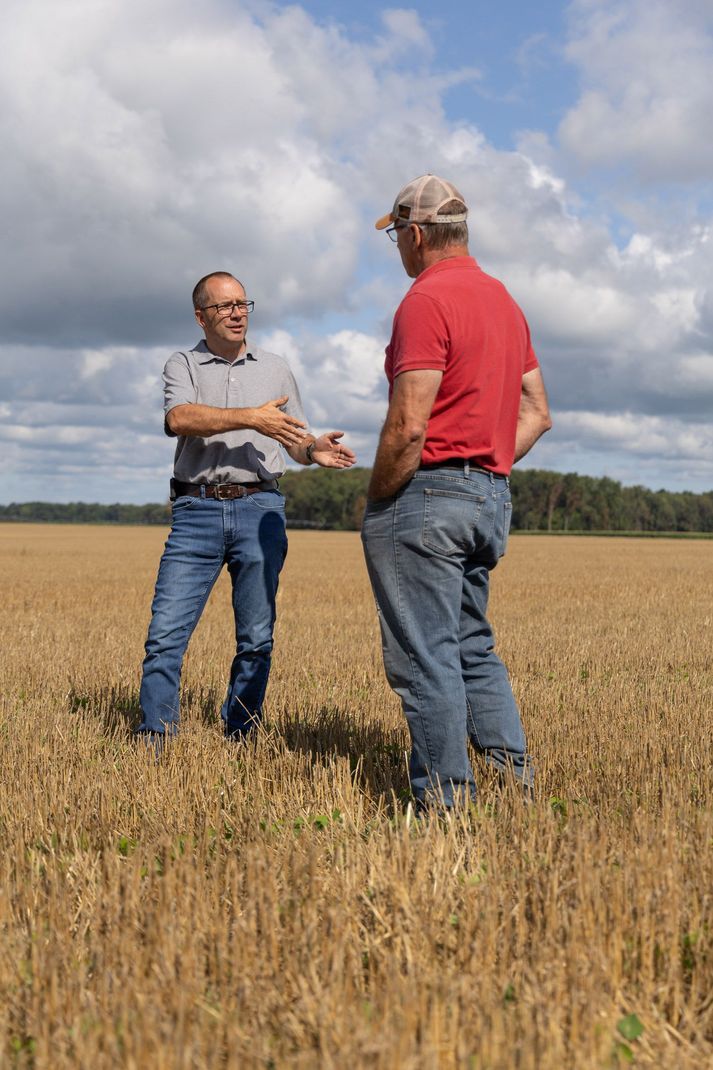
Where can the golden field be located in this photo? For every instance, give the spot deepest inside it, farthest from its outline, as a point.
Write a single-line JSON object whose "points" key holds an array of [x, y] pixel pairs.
{"points": [[274, 904]]}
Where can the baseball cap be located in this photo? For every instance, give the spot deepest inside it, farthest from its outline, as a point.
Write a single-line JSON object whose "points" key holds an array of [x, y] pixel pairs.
{"points": [[419, 201]]}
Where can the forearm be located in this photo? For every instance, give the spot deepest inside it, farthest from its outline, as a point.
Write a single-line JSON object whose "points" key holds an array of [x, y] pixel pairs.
{"points": [[206, 420], [531, 425], [533, 417], [397, 458], [268, 419]]}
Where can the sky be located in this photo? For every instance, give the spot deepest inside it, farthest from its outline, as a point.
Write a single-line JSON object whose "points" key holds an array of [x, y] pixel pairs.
{"points": [[148, 144]]}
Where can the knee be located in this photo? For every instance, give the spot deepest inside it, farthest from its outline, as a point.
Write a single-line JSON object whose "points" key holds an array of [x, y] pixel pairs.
{"points": [[255, 646], [164, 637]]}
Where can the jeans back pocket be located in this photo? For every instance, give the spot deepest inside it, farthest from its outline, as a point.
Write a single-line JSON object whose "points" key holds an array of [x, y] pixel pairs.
{"points": [[450, 520]]}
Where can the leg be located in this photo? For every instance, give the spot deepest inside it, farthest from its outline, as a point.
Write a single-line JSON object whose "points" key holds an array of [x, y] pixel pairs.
{"points": [[414, 546], [256, 553], [191, 562], [494, 724]]}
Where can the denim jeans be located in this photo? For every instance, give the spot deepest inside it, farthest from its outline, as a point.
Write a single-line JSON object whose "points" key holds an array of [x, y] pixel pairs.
{"points": [[429, 551], [248, 534]]}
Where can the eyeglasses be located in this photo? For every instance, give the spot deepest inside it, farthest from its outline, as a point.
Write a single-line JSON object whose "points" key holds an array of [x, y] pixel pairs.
{"points": [[393, 232], [225, 308]]}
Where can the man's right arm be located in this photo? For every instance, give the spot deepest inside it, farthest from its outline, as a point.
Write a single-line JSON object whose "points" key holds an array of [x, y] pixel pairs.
{"points": [[205, 420], [534, 415]]}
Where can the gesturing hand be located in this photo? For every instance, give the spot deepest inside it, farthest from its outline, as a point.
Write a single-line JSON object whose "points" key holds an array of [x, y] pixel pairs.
{"points": [[270, 420], [330, 454]]}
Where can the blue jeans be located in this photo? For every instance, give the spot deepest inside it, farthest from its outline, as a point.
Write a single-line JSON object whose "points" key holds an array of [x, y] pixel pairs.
{"points": [[248, 534], [429, 551]]}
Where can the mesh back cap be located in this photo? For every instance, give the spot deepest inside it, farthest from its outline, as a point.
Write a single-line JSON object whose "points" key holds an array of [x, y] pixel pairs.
{"points": [[419, 201]]}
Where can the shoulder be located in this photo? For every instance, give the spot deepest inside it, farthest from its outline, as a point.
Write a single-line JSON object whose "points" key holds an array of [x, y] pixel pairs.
{"points": [[185, 358], [267, 356], [495, 286], [418, 304], [271, 362]]}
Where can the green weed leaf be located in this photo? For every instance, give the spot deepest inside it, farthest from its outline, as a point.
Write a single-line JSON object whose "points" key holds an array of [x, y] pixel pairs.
{"points": [[630, 1027]]}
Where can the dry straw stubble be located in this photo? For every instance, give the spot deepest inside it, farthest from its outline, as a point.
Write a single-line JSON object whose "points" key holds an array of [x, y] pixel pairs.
{"points": [[273, 905]]}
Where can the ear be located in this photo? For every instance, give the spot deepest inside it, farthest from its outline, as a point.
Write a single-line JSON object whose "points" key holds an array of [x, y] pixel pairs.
{"points": [[416, 235], [200, 317]]}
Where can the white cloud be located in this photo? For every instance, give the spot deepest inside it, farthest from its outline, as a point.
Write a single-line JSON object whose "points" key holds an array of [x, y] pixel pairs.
{"points": [[406, 29], [258, 139], [647, 92], [341, 380]]}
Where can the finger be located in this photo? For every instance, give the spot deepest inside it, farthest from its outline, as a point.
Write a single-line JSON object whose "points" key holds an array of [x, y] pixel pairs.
{"points": [[280, 401]]}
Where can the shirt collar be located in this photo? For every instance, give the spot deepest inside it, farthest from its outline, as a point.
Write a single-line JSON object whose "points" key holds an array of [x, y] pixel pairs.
{"points": [[206, 357]]}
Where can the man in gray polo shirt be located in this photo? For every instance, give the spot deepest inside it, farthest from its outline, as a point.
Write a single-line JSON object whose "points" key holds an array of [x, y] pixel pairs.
{"points": [[231, 406]]}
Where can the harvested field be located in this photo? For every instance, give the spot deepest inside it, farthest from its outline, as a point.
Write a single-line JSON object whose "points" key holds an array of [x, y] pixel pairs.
{"points": [[273, 905]]}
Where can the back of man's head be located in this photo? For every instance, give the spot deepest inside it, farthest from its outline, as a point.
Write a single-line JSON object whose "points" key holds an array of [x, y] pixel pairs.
{"points": [[436, 206]]}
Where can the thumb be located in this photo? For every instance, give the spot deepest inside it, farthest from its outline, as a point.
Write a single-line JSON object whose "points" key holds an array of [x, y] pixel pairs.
{"points": [[280, 401]]}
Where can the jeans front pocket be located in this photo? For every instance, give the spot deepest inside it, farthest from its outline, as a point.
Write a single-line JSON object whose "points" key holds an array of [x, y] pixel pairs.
{"points": [[450, 520], [183, 503], [268, 500]]}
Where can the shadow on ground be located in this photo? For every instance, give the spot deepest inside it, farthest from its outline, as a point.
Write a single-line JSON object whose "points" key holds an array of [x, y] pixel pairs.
{"points": [[377, 755], [119, 711]]}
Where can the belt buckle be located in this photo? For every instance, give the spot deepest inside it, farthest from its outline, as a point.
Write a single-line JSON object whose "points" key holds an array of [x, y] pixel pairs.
{"points": [[223, 492]]}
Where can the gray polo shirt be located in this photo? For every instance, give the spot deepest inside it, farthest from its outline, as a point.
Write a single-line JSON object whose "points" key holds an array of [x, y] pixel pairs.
{"points": [[199, 377]]}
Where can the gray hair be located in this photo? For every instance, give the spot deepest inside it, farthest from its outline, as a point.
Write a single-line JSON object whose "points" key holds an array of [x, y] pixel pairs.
{"points": [[441, 235]]}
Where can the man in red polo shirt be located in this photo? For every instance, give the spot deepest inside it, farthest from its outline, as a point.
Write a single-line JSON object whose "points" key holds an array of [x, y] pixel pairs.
{"points": [[466, 400]]}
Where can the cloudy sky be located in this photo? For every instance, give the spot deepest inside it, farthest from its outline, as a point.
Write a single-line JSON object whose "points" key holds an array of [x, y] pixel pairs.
{"points": [[145, 144]]}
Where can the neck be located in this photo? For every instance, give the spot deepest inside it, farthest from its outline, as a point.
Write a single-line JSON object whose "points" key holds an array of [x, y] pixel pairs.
{"points": [[226, 350], [429, 257]]}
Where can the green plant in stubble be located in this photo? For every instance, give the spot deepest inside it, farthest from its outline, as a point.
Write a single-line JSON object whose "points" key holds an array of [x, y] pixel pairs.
{"points": [[630, 1028]]}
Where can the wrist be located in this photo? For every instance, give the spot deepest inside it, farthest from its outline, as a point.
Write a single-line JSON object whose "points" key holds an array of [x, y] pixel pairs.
{"points": [[309, 450]]}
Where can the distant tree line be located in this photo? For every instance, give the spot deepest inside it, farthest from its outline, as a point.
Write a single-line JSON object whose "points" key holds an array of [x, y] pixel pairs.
{"points": [[542, 501], [86, 513], [551, 501]]}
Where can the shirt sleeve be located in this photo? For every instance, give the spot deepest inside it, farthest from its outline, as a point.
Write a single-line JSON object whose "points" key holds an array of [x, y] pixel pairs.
{"points": [[531, 360], [178, 387], [420, 337], [294, 401]]}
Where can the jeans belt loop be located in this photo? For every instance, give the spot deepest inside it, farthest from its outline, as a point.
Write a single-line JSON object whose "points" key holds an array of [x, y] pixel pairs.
{"points": [[466, 467], [203, 491]]}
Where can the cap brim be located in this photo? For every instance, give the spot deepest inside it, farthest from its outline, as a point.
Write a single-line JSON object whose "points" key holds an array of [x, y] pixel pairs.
{"points": [[384, 222]]}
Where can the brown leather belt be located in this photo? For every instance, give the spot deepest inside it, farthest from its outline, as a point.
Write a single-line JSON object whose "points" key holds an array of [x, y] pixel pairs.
{"points": [[222, 491]]}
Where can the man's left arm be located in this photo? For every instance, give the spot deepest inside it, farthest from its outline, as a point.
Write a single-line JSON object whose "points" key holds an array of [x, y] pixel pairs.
{"points": [[404, 431], [534, 413]]}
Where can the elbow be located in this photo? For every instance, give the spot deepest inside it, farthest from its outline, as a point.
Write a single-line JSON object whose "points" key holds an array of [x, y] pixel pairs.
{"points": [[542, 418], [175, 422], [416, 435], [412, 431]]}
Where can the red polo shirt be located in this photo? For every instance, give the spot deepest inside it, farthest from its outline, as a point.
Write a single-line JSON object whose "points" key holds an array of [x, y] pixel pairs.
{"points": [[458, 320]]}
